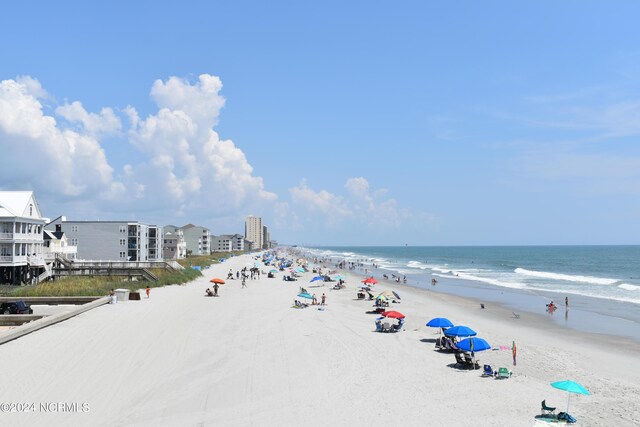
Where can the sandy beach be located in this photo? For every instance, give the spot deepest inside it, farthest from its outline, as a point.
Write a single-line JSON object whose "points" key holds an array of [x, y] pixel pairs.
{"points": [[248, 359]]}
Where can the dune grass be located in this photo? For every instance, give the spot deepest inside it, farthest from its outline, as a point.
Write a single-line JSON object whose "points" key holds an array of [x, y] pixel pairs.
{"points": [[99, 286], [206, 260]]}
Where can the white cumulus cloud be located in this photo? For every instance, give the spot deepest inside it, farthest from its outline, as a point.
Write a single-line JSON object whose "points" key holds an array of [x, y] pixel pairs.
{"points": [[95, 124], [38, 153]]}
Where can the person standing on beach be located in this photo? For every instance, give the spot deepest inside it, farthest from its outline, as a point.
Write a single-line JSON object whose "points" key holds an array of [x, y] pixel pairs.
{"points": [[148, 291], [566, 302], [314, 300], [323, 300], [244, 281], [215, 289]]}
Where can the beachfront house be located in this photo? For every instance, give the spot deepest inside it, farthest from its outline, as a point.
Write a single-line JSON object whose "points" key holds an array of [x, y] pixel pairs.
{"points": [[57, 244], [173, 243], [197, 238], [111, 240], [21, 237]]}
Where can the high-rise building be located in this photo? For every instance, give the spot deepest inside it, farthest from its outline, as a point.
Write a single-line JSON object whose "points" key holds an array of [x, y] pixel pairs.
{"points": [[253, 231], [265, 237]]}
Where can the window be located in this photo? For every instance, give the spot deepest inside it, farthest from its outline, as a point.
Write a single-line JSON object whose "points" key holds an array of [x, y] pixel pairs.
{"points": [[30, 210], [123, 254], [74, 228], [74, 242], [123, 242], [123, 228]]}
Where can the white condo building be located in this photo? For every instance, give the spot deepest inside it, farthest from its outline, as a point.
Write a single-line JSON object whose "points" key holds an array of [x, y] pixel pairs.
{"points": [[253, 231]]}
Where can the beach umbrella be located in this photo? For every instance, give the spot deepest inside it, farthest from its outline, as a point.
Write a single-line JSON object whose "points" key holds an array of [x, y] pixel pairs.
{"points": [[370, 281], [439, 322], [473, 344], [218, 281], [315, 279], [273, 271], [306, 295], [460, 331], [571, 387], [337, 277], [393, 314], [300, 270], [395, 294]]}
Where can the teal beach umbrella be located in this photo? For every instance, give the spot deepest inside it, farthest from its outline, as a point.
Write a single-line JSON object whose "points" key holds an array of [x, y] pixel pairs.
{"points": [[571, 387]]}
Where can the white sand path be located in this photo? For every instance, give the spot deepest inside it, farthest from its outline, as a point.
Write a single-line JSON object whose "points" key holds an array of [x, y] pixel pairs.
{"points": [[248, 359]]}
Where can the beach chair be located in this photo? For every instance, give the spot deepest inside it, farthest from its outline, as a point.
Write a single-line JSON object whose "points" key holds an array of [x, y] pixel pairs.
{"points": [[459, 359], [488, 371], [503, 373], [547, 409], [470, 363]]}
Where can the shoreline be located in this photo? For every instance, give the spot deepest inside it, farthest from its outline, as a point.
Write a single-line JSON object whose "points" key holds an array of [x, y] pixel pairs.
{"points": [[499, 312], [586, 314]]}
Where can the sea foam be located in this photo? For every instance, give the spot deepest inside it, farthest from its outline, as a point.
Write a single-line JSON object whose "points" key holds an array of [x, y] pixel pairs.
{"points": [[566, 277], [488, 280], [629, 287]]}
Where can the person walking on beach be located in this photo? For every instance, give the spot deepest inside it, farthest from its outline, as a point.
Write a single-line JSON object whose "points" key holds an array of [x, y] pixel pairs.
{"points": [[314, 300], [323, 299], [215, 289], [244, 281], [148, 291], [566, 302]]}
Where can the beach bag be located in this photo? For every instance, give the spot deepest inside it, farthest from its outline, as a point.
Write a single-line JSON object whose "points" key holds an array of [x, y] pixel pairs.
{"points": [[565, 416]]}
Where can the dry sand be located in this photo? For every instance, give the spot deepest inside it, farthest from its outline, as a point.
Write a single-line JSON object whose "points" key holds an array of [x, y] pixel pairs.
{"points": [[249, 359]]}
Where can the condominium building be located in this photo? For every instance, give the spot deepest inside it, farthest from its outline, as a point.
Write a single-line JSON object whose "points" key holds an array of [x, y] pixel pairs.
{"points": [[111, 240], [197, 238], [227, 243], [253, 231], [21, 237]]}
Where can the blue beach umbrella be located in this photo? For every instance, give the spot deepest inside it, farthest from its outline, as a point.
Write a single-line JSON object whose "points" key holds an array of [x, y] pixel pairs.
{"points": [[571, 387], [439, 322], [460, 331], [473, 344], [315, 279], [306, 295]]}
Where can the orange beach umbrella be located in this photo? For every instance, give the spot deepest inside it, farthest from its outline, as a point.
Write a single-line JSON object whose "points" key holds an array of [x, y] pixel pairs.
{"points": [[218, 281]]}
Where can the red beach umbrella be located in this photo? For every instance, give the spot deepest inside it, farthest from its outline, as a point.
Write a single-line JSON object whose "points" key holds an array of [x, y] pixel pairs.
{"points": [[370, 281], [218, 281], [393, 314]]}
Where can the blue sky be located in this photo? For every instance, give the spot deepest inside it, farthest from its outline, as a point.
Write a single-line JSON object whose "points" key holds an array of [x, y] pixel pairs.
{"points": [[340, 123]]}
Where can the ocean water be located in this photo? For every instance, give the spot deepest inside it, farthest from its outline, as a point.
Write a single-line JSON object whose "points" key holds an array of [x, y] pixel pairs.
{"points": [[601, 282]]}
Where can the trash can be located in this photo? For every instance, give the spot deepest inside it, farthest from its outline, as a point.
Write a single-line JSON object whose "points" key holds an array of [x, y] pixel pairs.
{"points": [[134, 296], [122, 294]]}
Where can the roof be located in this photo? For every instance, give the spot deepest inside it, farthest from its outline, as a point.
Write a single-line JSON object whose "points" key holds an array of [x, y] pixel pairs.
{"points": [[14, 203], [51, 235]]}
